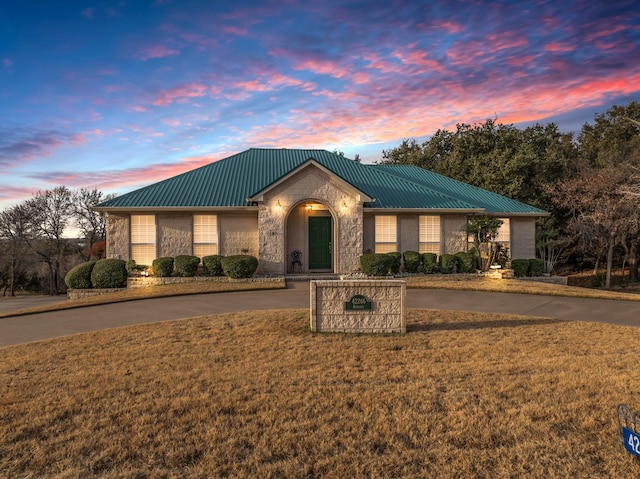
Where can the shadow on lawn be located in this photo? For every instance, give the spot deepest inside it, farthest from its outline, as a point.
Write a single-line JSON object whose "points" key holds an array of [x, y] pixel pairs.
{"points": [[496, 323]]}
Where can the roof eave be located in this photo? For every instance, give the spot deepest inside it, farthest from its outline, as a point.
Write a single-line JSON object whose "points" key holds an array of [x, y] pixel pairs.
{"points": [[424, 210], [137, 209]]}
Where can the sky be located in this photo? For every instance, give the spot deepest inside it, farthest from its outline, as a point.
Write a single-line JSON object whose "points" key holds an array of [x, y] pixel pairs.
{"points": [[116, 95]]}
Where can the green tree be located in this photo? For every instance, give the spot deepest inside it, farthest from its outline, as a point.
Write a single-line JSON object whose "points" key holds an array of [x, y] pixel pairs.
{"points": [[499, 158], [484, 230]]}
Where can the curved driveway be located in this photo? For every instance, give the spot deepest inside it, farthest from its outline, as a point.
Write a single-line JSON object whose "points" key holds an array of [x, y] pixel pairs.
{"points": [[22, 329]]}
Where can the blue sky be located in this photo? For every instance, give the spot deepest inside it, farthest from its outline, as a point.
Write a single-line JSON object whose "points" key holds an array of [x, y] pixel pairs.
{"points": [[118, 94]]}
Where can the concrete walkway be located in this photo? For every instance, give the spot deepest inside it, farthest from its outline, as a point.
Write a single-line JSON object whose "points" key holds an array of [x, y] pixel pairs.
{"points": [[23, 329]]}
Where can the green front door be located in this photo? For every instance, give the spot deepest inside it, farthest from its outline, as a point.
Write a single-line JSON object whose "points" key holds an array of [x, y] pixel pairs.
{"points": [[320, 242]]}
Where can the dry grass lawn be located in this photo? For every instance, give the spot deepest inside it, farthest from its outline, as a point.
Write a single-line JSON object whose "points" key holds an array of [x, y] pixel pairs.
{"points": [[257, 395]]}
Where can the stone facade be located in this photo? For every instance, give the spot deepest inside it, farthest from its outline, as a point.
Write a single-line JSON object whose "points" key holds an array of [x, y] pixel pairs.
{"points": [[453, 238], [175, 234], [310, 185], [118, 237], [329, 312], [238, 234], [523, 238]]}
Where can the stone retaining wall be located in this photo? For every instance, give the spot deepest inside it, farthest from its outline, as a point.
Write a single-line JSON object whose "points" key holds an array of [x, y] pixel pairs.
{"points": [[86, 293], [329, 306], [154, 280]]}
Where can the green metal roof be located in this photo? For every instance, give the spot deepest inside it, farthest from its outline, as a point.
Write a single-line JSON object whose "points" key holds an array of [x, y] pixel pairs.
{"points": [[229, 182], [489, 201]]}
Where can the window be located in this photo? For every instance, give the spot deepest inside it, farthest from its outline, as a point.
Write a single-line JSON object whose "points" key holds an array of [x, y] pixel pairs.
{"points": [[386, 234], [143, 239], [429, 234], [205, 235]]}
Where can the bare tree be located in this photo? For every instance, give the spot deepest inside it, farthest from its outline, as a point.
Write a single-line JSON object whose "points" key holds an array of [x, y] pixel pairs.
{"points": [[13, 230], [91, 224], [49, 214]]}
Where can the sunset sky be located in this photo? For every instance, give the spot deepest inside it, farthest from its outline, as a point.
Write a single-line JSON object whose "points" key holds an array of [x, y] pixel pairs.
{"points": [[118, 94]]}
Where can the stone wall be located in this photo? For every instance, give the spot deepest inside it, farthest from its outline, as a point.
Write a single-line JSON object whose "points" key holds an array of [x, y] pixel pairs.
{"points": [[523, 238], [453, 238], [86, 293], [238, 234], [118, 239], [310, 184], [175, 234], [329, 312]]}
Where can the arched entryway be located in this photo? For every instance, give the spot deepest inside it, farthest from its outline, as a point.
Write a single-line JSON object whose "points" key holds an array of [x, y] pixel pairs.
{"points": [[311, 231]]}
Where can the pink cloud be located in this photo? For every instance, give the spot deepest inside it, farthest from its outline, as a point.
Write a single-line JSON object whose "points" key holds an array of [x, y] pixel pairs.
{"points": [[7, 62], [448, 26], [183, 92], [557, 47], [156, 51], [239, 31], [16, 193]]}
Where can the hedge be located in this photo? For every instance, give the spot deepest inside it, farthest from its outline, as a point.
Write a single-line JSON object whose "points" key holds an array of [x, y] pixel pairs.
{"points": [[186, 265], [411, 261], [162, 267], [376, 264], [536, 267], [520, 267], [79, 277], [429, 263], [239, 266], [397, 261], [109, 273], [448, 263], [466, 262], [212, 265]]}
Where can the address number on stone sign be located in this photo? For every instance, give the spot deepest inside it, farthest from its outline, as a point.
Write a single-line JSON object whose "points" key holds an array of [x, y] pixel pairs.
{"points": [[631, 441]]}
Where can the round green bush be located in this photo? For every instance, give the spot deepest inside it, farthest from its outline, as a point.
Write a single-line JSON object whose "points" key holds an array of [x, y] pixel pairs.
{"points": [[239, 266], [212, 265], [448, 263], [429, 263], [536, 267], [163, 267], [397, 261], [376, 264], [186, 265], [466, 262], [79, 277], [520, 267], [411, 261], [130, 265], [109, 273]]}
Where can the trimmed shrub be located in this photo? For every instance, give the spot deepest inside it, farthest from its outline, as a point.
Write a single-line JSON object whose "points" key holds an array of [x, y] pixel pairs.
{"points": [[448, 263], [411, 261], [429, 263], [397, 261], [212, 265], [163, 267], [239, 266], [376, 264], [186, 265], [79, 277], [520, 267], [109, 273], [130, 265], [467, 262], [536, 267]]}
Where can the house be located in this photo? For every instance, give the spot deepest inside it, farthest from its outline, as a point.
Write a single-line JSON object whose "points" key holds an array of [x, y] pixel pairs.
{"points": [[272, 202]]}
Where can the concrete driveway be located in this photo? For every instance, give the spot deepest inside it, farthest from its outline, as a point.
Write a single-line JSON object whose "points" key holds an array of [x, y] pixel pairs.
{"points": [[23, 329]]}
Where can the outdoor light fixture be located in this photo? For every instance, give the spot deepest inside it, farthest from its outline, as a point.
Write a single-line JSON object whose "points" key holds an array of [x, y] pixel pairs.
{"points": [[278, 205], [344, 206], [309, 207]]}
